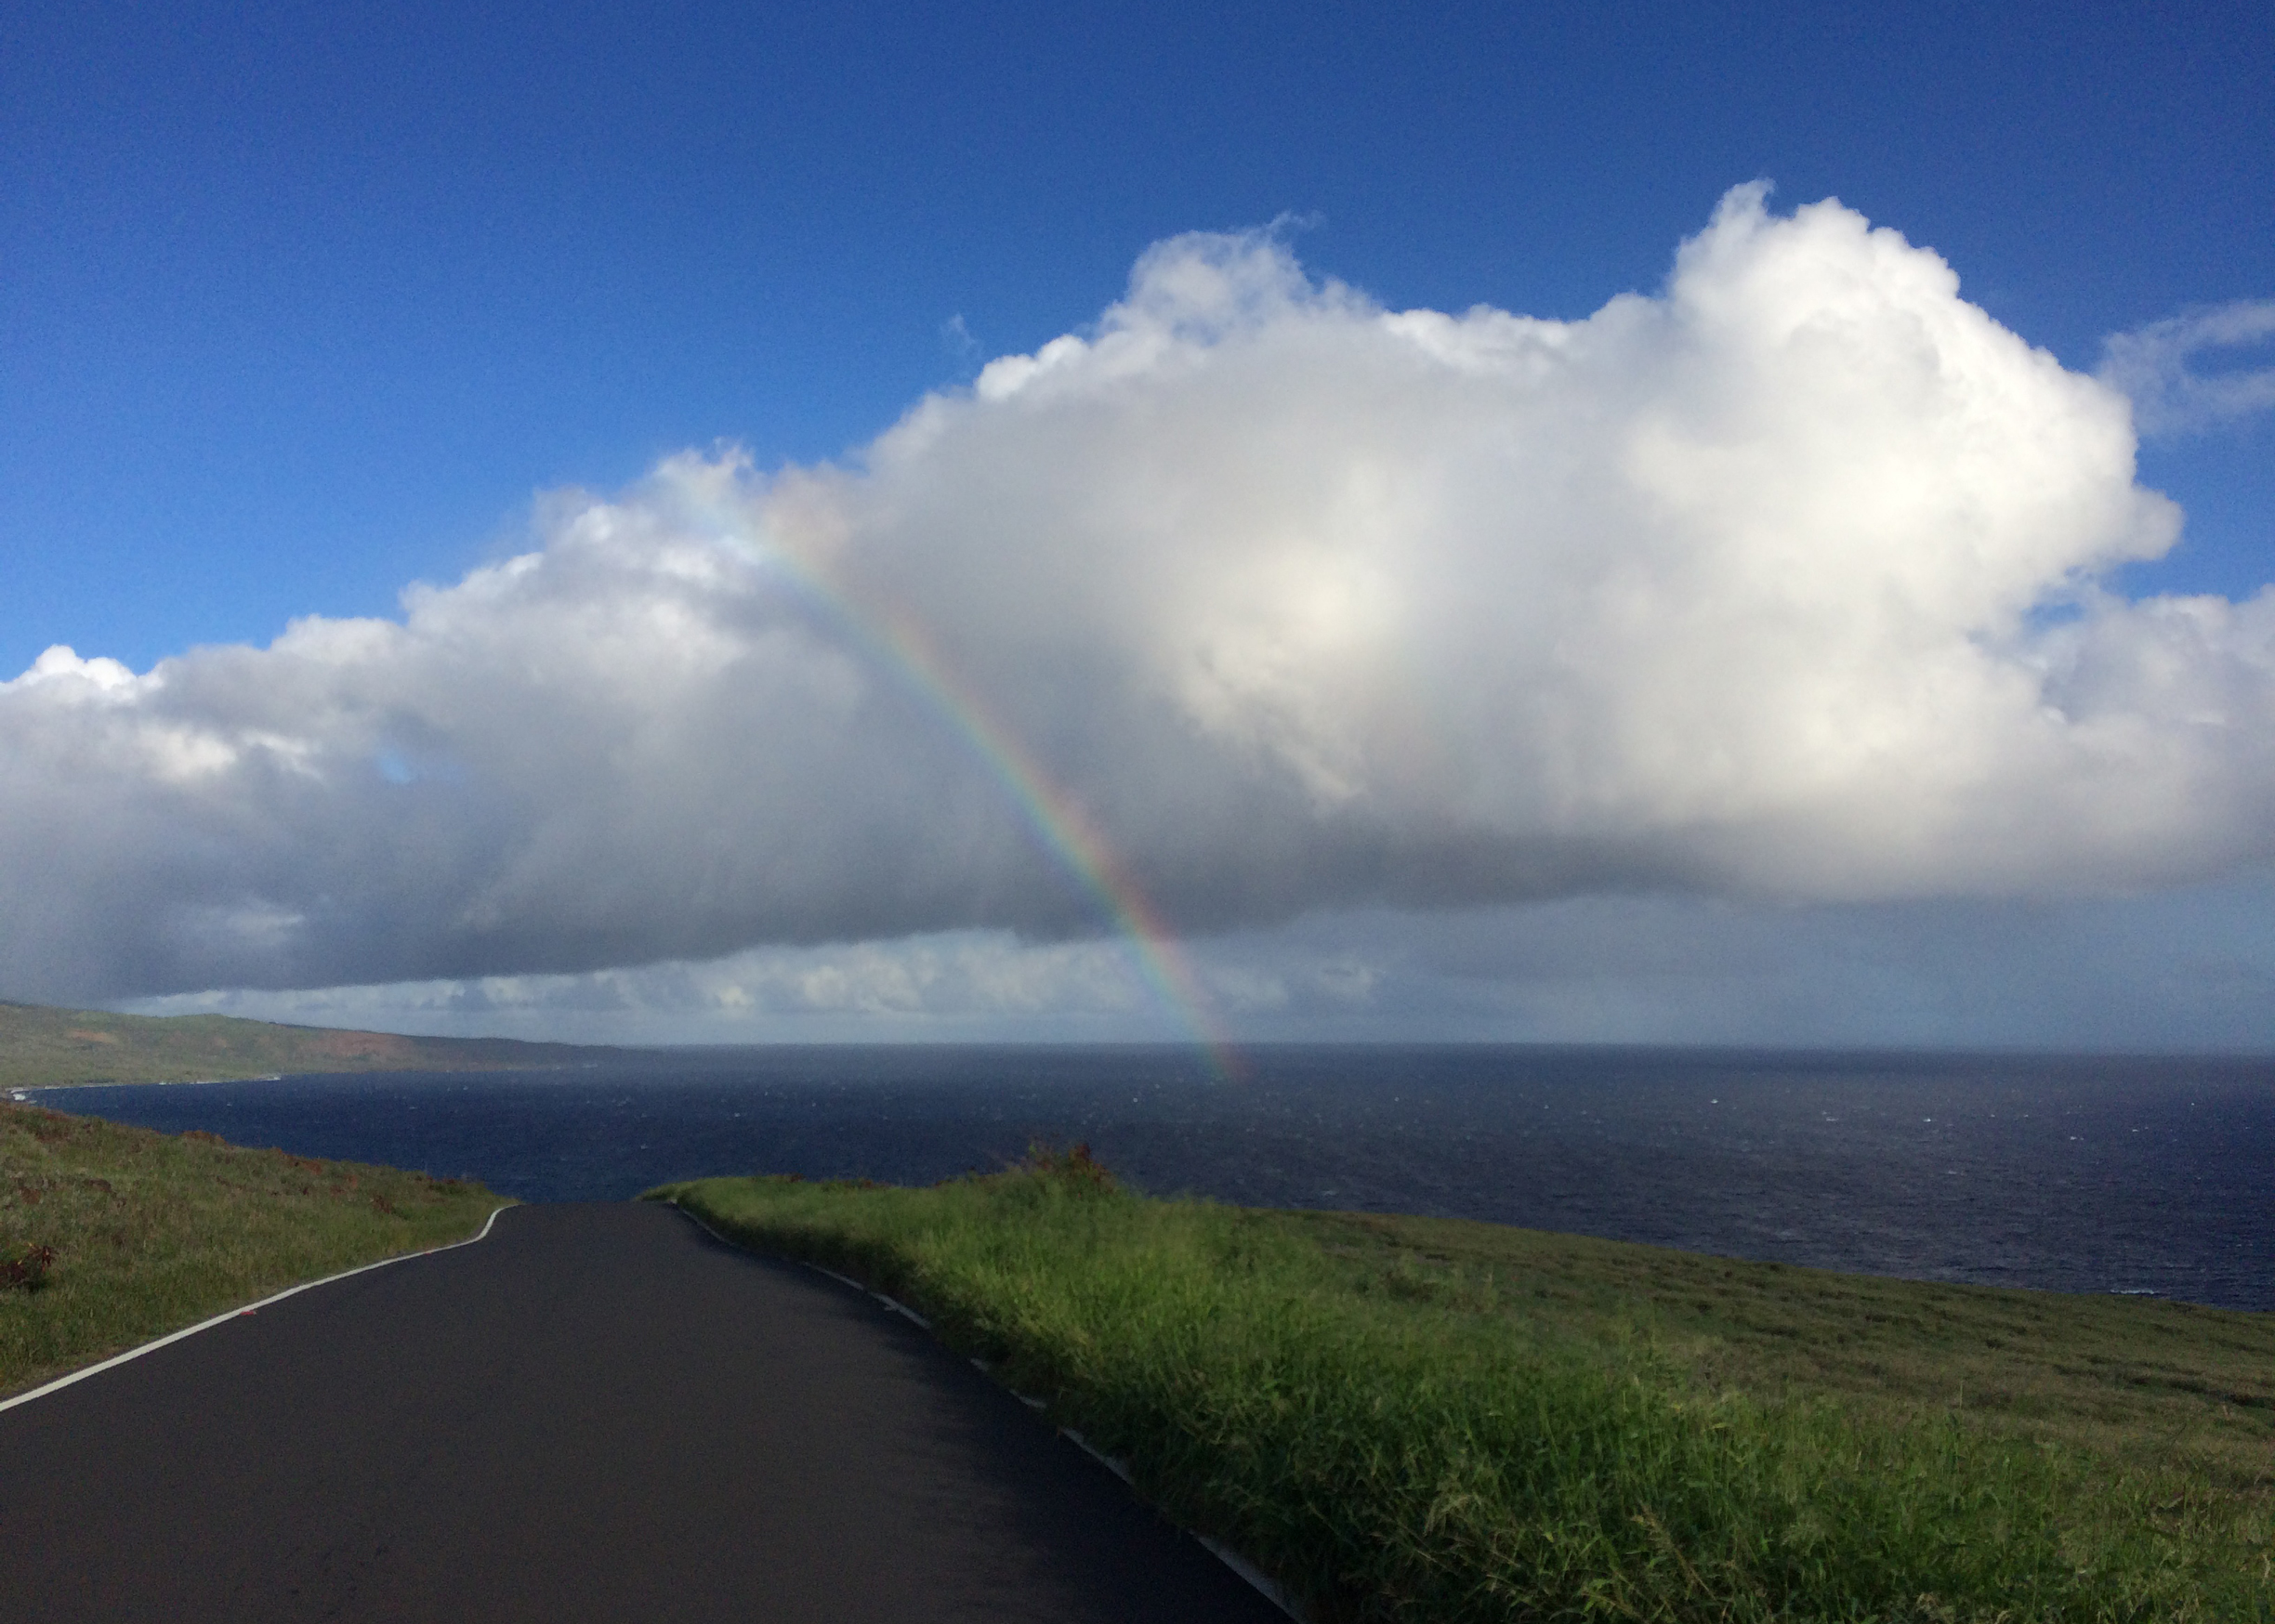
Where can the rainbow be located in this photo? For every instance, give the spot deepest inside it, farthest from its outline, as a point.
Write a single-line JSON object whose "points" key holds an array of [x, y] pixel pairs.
{"points": [[1058, 825]]}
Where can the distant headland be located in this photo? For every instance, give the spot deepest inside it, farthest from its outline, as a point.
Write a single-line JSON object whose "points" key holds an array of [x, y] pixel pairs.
{"points": [[43, 1047]]}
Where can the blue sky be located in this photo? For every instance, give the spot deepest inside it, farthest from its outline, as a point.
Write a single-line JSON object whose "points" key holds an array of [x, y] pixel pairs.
{"points": [[302, 303]]}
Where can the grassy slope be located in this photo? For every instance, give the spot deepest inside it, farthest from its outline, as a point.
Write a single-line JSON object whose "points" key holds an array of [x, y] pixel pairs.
{"points": [[153, 1232], [41, 1047], [2125, 1377], [1415, 1419]]}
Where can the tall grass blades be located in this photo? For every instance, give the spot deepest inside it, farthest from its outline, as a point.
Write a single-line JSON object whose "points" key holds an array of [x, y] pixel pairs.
{"points": [[1401, 1441]]}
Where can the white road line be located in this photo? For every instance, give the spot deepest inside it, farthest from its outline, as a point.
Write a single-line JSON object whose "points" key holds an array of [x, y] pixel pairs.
{"points": [[1119, 1468], [238, 1312], [897, 1306], [1232, 1559], [1263, 1582]]}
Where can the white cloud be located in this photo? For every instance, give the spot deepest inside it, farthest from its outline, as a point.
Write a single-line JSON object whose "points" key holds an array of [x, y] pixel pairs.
{"points": [[1738, 590], [953, 985], [2192, 968], [2154, 366]]}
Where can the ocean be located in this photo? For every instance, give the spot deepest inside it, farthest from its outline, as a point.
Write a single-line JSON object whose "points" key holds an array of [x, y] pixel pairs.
{"points": [[2153, 1176]]}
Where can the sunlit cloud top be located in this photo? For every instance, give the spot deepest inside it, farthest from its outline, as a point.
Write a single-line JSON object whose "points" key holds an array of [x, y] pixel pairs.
{"points": [[1783, 581]]}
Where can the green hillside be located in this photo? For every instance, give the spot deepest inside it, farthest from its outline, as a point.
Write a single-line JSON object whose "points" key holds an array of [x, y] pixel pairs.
{"points": [[111, 1235], [41, 1047]]}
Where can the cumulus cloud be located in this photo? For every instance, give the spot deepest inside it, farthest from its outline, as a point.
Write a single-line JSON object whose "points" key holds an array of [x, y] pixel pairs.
{"points": [[2156, 366], [1780, 582]]}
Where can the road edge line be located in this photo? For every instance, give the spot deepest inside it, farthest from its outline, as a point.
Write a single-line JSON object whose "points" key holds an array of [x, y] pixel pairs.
{"points": [[151, 1347], [1264, 1584]]}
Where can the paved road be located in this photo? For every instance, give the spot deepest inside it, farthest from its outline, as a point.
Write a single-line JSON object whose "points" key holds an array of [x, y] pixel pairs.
{"points": [[597, 1413]]}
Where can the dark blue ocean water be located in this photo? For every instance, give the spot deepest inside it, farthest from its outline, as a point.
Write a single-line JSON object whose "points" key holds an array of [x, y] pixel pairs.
{"points": [[2077, 1174]]}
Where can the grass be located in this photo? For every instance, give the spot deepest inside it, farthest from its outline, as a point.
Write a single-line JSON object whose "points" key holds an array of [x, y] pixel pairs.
{"points": [[44, 1047], [1407, 1418], [111, 1235]]}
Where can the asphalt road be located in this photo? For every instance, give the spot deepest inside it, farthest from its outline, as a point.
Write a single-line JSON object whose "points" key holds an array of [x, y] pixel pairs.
{"points": [[596, 1413]]}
